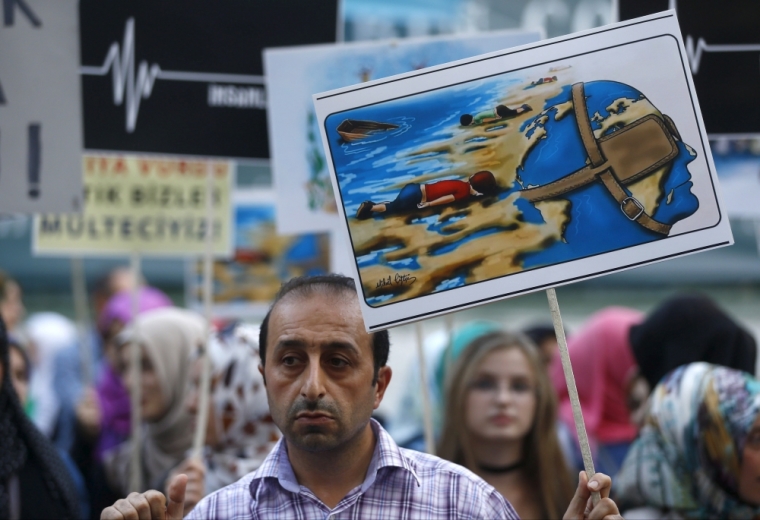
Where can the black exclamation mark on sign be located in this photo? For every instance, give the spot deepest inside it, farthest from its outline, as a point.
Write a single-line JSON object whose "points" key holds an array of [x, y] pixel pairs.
{"points": [[35, 159]]}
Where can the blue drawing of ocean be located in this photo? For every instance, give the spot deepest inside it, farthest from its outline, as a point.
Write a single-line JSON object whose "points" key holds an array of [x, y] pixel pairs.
{"points": [[379, 165]]}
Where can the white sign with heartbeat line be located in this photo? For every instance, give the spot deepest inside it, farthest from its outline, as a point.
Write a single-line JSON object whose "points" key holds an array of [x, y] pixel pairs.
{"points": [[130, 86], [40, 107]]}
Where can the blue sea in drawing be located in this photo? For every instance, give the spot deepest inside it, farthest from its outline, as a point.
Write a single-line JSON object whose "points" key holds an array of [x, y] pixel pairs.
{"points": [[382, 163]]}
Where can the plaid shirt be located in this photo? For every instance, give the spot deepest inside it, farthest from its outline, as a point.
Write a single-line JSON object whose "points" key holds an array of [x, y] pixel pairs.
{"points": [[400, 484]]}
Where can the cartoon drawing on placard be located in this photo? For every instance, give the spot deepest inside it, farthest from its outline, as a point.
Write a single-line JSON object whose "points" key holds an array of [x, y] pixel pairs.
{"points": [[246, 284], [505, 174]]}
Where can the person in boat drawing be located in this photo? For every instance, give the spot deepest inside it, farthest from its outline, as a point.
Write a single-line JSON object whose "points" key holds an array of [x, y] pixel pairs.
{"points": [[419, 196], [493, 115]]}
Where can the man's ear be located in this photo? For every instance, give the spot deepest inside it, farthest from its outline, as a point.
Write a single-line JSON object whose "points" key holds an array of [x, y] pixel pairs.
{"points": [[263, 376], [381, 385]]}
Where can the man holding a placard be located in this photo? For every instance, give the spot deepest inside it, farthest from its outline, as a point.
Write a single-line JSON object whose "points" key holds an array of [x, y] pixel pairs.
{"points": [[325, 375]]}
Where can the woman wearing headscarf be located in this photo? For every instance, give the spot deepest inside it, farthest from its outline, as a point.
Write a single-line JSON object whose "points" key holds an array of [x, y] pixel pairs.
{"points": [[688, 328], [34, 482], [112, 396], [239, 431], [698, 454], [167, 338], [604, 369]]}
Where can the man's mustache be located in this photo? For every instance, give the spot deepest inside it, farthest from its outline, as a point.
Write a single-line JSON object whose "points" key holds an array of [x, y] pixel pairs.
{"points": [[308, 405]]}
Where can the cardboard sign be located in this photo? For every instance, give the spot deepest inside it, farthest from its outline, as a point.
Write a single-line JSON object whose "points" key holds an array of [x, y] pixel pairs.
{"points": [[521, 170], [305, 201], [185, 76], [723, 50], [153, 205], [40, 107], [245, 286], [738, 166]]}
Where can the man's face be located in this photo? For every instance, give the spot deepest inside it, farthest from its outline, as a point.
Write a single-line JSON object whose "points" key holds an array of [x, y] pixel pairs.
{"points": [[319, 370]]}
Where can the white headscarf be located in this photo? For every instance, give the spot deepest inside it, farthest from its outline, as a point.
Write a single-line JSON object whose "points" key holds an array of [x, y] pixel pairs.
{"points": [[169, 336], [51, 334]]}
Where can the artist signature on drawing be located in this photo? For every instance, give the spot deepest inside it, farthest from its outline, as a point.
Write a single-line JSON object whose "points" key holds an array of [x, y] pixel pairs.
{"points": [[398, 279]]}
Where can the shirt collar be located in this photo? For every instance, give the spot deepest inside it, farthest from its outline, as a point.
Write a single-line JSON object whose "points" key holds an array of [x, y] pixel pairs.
{"points": [[386, 454]]}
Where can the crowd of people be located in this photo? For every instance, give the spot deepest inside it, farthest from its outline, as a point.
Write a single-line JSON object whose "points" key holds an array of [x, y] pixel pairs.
{"points": [[670, 403]]}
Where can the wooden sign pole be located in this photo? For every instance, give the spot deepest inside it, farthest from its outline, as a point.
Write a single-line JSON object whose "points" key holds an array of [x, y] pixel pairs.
{"points": [[135, 392], [567, 367], [427, 412], [208, 264], [79, 293]]}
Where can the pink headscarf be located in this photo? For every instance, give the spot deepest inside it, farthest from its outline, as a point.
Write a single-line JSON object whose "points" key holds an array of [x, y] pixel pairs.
{"points": [[603, 364], [119, 307]]}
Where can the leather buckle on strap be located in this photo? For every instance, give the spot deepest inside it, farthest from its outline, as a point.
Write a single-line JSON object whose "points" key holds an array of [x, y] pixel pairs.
{"points": [[635, 203]]}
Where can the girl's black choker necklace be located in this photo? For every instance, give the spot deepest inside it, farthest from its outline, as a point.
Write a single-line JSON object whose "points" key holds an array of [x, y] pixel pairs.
{"points": [[501, 469]]}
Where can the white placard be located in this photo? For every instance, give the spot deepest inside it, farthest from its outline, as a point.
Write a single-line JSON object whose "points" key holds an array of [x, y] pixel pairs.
{"points": [[40, 107], [305, 201], [643, 185]]}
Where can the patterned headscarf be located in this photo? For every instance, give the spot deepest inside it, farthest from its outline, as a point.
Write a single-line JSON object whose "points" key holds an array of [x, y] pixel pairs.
{"points": [[245, 431], [688, 454]]}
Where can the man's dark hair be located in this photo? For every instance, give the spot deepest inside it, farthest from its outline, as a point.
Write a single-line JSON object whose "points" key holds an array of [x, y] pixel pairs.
{"points": [[465, 120], [333, 284]]}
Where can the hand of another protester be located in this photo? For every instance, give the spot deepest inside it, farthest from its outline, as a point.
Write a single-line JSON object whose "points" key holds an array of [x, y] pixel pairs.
{"points": [[150, 505], [195, 470], [88, 413], [581, 506], [423, 205]]}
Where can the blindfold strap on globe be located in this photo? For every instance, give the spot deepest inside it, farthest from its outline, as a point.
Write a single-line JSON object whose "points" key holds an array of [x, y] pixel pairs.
{"points": [[617, 159]]}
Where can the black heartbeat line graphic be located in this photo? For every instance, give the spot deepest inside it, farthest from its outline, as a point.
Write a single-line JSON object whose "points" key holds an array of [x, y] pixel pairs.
{"points": [[122, 66]]}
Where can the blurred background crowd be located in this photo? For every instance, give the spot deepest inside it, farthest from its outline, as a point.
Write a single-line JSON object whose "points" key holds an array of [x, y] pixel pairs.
{"points": [[669, 397]]}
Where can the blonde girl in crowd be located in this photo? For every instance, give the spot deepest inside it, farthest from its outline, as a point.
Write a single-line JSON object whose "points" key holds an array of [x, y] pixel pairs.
{"points": [[500, 423]]}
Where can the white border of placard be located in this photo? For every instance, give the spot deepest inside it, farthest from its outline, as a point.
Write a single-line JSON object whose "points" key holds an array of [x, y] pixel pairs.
{"points": [[707, 228]]}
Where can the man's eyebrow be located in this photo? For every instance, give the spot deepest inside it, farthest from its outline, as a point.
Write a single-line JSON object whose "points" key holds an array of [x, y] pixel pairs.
{"points": [[344, 345], [334, 345]]}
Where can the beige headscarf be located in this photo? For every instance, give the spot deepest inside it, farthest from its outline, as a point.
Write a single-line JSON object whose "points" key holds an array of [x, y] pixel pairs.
{"points": [[169, 337]]}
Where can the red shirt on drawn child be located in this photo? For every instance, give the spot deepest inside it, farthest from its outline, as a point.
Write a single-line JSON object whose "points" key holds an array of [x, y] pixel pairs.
{"points": [[459, 189]]}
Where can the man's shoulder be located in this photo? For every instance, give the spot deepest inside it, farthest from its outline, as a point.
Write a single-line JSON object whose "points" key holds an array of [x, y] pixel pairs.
{"points": [[429, 467], [464, 493]]}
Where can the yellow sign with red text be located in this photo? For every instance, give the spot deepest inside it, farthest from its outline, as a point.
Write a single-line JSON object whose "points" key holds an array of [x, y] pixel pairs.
{"points": [[154, 206]]}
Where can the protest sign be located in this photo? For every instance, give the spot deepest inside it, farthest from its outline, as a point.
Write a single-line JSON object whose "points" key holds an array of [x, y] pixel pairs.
{"points": [[738, 165], [522, 170], [245, 285], [185, 76], [152, 205], [723, 51], [40, 107], [305, 201]]}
